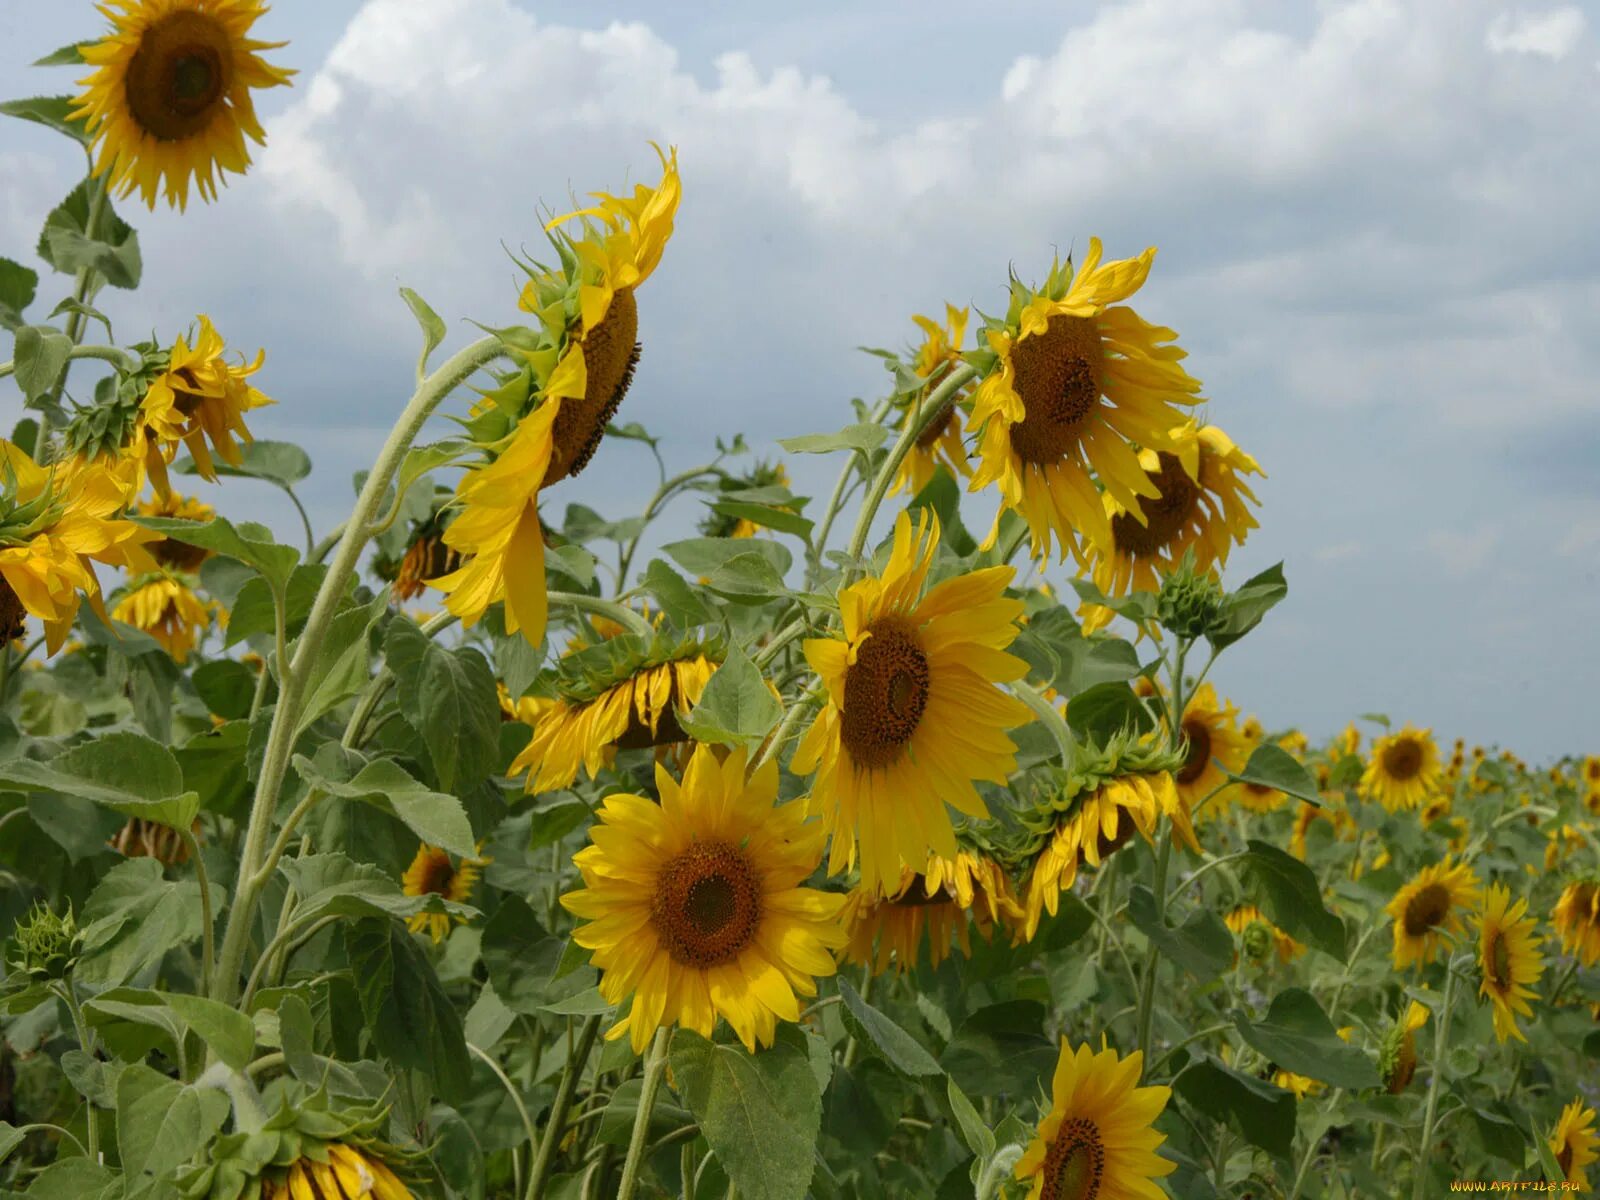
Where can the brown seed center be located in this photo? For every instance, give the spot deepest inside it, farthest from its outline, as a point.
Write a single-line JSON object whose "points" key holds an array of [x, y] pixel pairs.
{"points": [[437, 877], [885, 694], [938, 427], [1075, 1162], [12, 614], [1426, 909], [1402, 761], [1165, 516], [1199, 756], [707, 904], [1497, 961], [610, 354], [179, 75], [1060, 375]]}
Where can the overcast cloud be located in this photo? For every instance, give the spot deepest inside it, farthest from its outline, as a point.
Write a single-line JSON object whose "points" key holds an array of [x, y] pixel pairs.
{"points": [[1377, 238]]}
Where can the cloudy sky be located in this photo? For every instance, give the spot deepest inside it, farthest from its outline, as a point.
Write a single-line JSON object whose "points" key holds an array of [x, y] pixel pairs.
{"points": [[1377, 238]]}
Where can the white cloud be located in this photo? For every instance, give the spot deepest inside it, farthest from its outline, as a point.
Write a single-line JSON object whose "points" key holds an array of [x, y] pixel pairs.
{"points": [[1553, 34], [1464, 552]]}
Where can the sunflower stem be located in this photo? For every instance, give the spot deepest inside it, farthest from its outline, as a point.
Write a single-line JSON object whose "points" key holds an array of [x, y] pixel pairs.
{"points": [[207, 920], [64, 990], [1440, 1044], [86, 284], [668, 489], [516, 1101], [1311, 1150], [285, 718], [559, 1108], [857, 460], [1050, 718], [1147, 994], [620, 613], [655, 1067]]}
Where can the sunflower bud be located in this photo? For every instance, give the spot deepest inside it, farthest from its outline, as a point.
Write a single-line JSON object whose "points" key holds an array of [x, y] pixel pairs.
{"points": [[44, 945], [1190, 601], [1257, 942]]}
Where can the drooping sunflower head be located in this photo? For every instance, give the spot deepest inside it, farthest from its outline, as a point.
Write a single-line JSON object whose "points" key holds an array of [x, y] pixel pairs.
{"points": [[939, 443], [166, 607], [140, 838], [1397, 1055], [169, 552], [694, 905], [1508, 959], [169, 99], [1098, 1141], [588, 313], [912, 717], [1072, 377], [1258, 937], [625, 693], [425, 557], [1575, 1143], [1214, 746], [1403, 770], [434, 873], [1432, 904], [1577, 919]]}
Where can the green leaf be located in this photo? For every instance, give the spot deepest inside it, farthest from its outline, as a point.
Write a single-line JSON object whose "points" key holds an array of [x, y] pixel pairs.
{"points": [[89, 312], [213, 765], [1242, 610], [768, 515], [865, 438], [737, 707], [162, 1123], [432, 327], [760, 1113], [1107, 709], [977, 1135], [134, 917], [747, 578], [411, 1017], [282, 463], [10, 1138], [40, 354], [524, 961], [69, 55], [254, 611], [681, 604], [18, 285], [221, 1026], [1297, 1035], [333, 884], [435, 817], [1135, 606], [1262, 1112], [50, 111], [488, 1019], [123, 771], [250, 544], [226, 686], [1087, 662], [1001, 1050], [891, 1043], [449, 698], [1202, 945], [73, 1179], [1273, 766], [708, 556], [342, 666], [1292, 897], [113, 252]]}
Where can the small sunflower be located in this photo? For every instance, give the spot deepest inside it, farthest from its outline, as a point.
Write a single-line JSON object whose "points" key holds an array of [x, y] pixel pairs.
{"points": [[1098, 1140], [1259, 937], [1301, 1085], [1397, 1056], [1198, 507], [1431, 904], [1073, 377], [169, 552], [169, 99], [166, 607], [433, 873], [693, 905], [1403, 771], [624, 694], [1574, 1143], [913, 715], [765, 483], [1215, 747], [940, 442], [888, 930], [1577, 920], [1508, 958], [1348, 742]]}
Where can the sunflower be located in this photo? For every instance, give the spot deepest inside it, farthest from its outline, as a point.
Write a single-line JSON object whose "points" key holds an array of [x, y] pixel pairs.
{"points": [[765, 484], [55, 523], [1098, 1140], [1577, 919], [1259, 936], [347, 1173], [1562, 844], [1428, 906], [1258, 797], [1331, 810], [169, 552], [169, 98], [1198, 506], [165, 606], [1509, 959], [694, 906], [1215, 747], [432, 873], [1574, 1142], [140, 838], [1348, 742], [912, 715], [1301, 1085], [940, 441], [1397, 1056], [1073, 377], [194, 396], [888, 930], [1403, 770], [624, 694]]}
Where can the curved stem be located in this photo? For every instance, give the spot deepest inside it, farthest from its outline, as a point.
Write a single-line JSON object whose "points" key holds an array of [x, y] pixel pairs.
{"points": [[654, 1069], [785, 730], [516, 1100], [1209, 865], [665, 492], [1049, 717], [1311, 1151], [556, 1125], [620, 613], [305, 521], [782, 638], [1167, 1054], [836, 501]]}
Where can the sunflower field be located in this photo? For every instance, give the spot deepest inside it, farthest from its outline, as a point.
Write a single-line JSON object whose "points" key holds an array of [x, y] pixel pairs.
{"points": [[481, 846]]}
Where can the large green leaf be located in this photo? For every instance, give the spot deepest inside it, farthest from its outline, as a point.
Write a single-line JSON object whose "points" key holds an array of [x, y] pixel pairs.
{"points": [[1202, 945], [221, 1026], [411, 1017], [1001, 1050], [1274, 767], [449, 698], [886, 1039], [18, 284], [40, 353], [1262, 1112], [680, 602], [759, 1112], [435, 817], [250, 544], [114, 250], [134, 917], [1105, 710], [709, 556], [123, 771], [1242, 610], [161, 1122], [737, 707], [865, 438], [333, 884], [51, 112], [1292, 897], [1297, 1036], [342, 666], [282, 463], [524, 961]]}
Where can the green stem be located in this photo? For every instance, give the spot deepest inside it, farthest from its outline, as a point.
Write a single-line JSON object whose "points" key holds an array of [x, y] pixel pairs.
{"points": [[516, 1101], [1152, 960], [207, 950], [1311, 1151], [559, 1108], [1156, 1066], [1051, 718], [655, 1067], [782, 638], [305, 521], [82, 289], [797, 711], [91, 1119], [665, 492], [45, 1125], [1441, 1043], [836, 501], [620, 613], [280, 738]]}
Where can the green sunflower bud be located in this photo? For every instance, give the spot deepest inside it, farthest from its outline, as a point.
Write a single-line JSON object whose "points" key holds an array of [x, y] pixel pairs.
{"points": [[1257, 942], [44, 945], [1190, 601]]}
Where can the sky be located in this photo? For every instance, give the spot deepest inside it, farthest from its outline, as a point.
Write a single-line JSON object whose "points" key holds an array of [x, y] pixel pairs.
{"points": [[1376, 238]]}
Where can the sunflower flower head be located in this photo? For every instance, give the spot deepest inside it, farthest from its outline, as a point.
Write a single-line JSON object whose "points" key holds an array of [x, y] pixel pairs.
{"points": [[1577, 919], [939, 443], [45, 944], [1574, 1143], [1397, 1054], [1430, 906], [694, 906], [1214, 746], [169, 552], [1403, 771], [165, 606], [433, 872], [141, 838], [1508, 959]]}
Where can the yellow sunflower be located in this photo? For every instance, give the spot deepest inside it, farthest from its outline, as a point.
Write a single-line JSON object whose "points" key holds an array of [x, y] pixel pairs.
{"points": [[1397, 1056], [1099, 1137], [693, 905], [1215, 746], [1574, 1142], [1076, 376], [166, 607], [1508, 958], [1301, 1085], [348, 1173], [1198, 505], [1431, 904], [169, 552], [940, 442], [1577, 920], [1259, 936], [530, 710], [1348, 742], [1258, 797], [1403, 771], [888, 930], [912, 715], [433, 873], [426, 558], [169, 98], [1332, 811], [197, 396]]}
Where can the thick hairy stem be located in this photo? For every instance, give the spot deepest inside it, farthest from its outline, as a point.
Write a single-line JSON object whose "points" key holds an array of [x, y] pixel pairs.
{"points": [[654, 1069], [610, 609], [280, 738]]}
